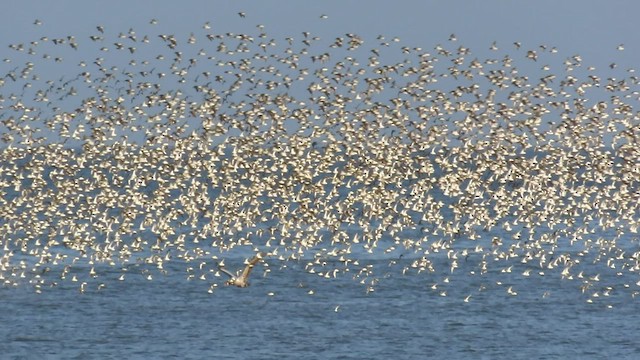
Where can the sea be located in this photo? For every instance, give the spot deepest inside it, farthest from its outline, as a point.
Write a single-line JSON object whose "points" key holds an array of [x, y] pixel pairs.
{"points": [[289, 313], [292, 310]]}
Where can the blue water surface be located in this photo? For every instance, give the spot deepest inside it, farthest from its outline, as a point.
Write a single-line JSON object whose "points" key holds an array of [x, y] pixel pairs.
{"points": [[278, 318]]}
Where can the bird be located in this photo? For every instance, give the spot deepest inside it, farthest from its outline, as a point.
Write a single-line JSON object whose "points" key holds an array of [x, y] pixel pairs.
{"points": [[241, 279], [151, 158]]}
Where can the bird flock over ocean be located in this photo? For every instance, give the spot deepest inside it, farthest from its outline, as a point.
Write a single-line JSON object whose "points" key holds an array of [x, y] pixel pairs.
{"points": [[358, 157]]}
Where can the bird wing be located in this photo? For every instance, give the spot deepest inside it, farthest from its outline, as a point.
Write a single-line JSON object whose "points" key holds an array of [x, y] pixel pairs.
{"points": [[250, 264], [225, 271]]}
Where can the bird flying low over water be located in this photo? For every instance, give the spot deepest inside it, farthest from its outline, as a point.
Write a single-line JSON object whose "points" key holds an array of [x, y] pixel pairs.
{"points": [[241, 280]]}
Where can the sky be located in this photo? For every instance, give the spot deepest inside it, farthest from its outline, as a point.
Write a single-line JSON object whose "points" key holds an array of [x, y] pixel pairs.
{"points": [[592, 29]]}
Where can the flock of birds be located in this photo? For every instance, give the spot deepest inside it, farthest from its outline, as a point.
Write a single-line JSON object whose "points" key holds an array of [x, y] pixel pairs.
{"points": [[350, 157]]}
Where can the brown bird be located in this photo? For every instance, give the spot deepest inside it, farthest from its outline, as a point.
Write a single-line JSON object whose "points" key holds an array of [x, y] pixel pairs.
{"points": [[241, 280]]}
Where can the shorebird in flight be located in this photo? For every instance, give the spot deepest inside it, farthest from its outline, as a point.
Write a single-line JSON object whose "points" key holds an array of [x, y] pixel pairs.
{"points": [[241, 280]]}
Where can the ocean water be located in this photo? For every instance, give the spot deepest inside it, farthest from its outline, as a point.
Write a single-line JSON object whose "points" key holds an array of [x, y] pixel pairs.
{"points": [[278, 318], [514, 310]]}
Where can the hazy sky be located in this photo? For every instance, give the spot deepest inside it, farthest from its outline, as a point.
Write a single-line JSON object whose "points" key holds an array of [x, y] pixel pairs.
{"points": [[590, 28]]}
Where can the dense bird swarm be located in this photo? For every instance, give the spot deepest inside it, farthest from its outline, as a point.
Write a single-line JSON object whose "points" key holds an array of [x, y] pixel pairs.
{"points": [[123, 151]]}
